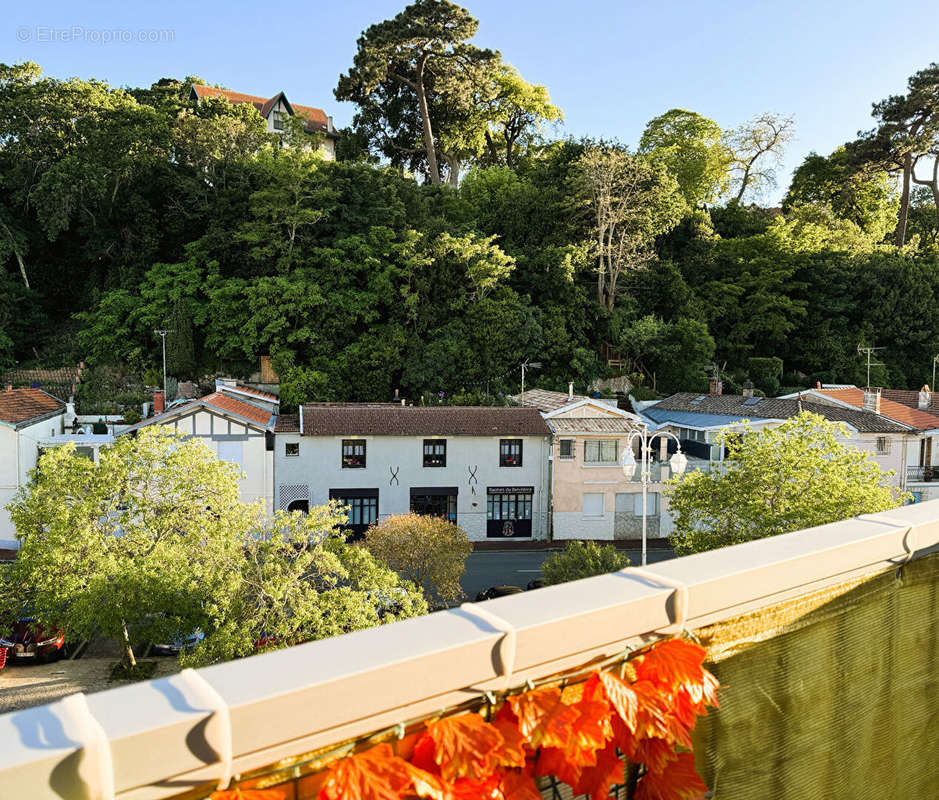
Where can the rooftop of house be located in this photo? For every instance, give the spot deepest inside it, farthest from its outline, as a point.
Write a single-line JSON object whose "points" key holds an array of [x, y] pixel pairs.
{"points": [[19, 407], [315, 119], [890, 408], [234, 387], [912, 399], [597, 425], [220, 402], [396, 420], [61, 382], [547, 401], [735, 407]]}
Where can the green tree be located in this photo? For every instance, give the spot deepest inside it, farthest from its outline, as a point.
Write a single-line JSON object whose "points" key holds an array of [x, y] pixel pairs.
{"points": [[629, 201], [693, 149], [429, 551], [127, 543], [582, 560], [796, 475], [299, 581], [425, 47], [672, 355]]}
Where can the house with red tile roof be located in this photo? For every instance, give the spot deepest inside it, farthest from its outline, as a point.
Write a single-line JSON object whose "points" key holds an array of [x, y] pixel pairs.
{"points": [[914, 411], [27, 415], [275, 110], [237, 423]]}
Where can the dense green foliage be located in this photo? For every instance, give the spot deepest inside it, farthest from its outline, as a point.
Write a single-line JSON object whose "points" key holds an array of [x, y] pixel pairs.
{"points": [[776, 480], [581, 560], [122, 211], [125, 548]]}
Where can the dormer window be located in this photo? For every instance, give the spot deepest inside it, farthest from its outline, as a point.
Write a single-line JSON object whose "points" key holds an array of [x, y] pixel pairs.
{"points": [[279, 120]]}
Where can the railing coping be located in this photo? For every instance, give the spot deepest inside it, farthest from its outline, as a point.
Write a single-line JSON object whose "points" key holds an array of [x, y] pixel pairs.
{"points": [[162, 737]]}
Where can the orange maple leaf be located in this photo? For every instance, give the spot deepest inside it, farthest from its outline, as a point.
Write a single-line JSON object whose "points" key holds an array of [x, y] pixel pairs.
{"points": [[617, 693], [249, 794], [464, 746], [376, 774], [543, 718], [672, 663], [486, 787], [518, 785], [656, 754], [679, 781], [596, 780]]}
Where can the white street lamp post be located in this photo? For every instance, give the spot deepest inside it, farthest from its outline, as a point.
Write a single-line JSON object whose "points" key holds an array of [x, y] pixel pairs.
{"points": [[678, 462]]}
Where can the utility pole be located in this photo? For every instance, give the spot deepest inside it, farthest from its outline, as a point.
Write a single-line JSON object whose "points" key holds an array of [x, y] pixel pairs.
{"points": [[528, 365], [868, 351], [162, 334]]}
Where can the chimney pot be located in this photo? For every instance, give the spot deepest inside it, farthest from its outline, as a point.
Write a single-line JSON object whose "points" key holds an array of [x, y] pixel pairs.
{"points": [[748, 389], [715, 386], [570, 390], [158, 402]]}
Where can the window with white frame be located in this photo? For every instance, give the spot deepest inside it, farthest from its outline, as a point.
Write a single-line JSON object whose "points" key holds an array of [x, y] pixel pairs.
{"points": [[600, 451], [593, 504]]}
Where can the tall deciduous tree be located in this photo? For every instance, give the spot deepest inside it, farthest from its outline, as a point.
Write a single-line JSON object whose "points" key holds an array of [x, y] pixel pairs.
{"points": [[629, 201], [424, 47], [908, 130], [693, 149], [796, 475], [757, 148]]}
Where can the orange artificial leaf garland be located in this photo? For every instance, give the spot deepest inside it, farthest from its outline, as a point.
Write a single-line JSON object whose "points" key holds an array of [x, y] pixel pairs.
{"points": [[579, 735]]}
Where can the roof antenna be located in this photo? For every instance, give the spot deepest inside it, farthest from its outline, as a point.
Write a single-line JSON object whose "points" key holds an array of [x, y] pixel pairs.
{"points": [[868, 351]]}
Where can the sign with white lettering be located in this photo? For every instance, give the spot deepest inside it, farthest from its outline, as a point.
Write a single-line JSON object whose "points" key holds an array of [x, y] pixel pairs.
{"points": [[510, 489]]}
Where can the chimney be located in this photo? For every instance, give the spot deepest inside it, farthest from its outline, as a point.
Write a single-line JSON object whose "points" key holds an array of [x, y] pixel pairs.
{"points": [[397, 394], [715, 386], [925, 398], [570, 391], [158, 403], [818, 384], [872, 399], [748, 388]]}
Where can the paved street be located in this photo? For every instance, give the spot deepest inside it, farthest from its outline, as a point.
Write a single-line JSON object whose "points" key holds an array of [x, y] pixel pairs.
{"points": [[517, 568]]}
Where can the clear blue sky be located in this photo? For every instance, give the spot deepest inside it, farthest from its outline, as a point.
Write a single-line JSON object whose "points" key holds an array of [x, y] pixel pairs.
{"points": [[611, 65]]}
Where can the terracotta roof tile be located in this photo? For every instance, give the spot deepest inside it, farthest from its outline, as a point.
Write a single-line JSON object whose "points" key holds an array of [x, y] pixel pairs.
{"points": [[61, 382], [422, 421], [22, 405], [315, 117], [287, 423], [920, 420], [911, 398], [546, 400], [592, 425], [220, 401]]}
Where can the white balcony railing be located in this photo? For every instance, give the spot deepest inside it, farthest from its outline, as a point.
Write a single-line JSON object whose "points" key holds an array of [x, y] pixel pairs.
{"points": [[160, 738]]}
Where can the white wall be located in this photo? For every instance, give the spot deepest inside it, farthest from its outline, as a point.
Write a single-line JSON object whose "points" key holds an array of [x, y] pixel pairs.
{"points": [[231, 439], [319, 467], [19, 452]]}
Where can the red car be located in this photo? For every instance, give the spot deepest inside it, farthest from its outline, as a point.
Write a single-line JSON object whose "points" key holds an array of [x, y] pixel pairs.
{"points": [[30, 641]]}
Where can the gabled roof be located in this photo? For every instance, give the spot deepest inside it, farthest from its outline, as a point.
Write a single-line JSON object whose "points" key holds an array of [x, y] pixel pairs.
{"points": [[61, 382], [314, 118], [20, 407], [899, 412], [422, 421], [546, 400], [736, 407], [248, 391], [220, 403], [610, 425]]}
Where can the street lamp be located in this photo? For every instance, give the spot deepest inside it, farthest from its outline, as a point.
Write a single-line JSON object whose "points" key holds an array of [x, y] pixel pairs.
{"points": [[528, 365], [678, 463]]}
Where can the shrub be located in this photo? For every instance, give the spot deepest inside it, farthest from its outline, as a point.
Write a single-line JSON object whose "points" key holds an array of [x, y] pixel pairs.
{"points": [[430, 551], [581, 560]]}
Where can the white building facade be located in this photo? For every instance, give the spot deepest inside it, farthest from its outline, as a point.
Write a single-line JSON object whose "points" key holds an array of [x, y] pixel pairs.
{"points": [[486, 469], [27, 416]]}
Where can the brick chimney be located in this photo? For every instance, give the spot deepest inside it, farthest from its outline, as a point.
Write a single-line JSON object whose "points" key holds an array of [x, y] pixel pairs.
{"points": [[715, 386], [748, 388], [872, 399], [159, 404], [925, 398]]}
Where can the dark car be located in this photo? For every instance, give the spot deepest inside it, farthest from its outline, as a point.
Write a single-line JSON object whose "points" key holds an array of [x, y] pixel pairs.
{"points": [[31, 641], [498, 591], [179, 644]]}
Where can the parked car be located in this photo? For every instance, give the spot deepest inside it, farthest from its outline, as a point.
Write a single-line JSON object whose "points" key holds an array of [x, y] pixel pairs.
{"points": [[31, 641], [498, 591], [180, 644]]}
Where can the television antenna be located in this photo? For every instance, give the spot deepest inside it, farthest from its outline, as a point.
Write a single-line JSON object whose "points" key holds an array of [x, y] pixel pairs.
{"points": [[162, 333], [868, 351]]}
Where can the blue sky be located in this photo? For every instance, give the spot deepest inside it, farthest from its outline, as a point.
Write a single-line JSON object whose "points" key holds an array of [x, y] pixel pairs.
{"points": [[611, 66]]}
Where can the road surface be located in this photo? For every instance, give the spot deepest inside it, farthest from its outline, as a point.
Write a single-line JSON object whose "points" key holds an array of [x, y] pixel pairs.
{"points": [[517, 568]]}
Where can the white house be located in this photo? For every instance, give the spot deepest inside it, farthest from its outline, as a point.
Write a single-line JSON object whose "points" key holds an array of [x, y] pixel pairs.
{"points": [[26, 417], [275, 110], [237, 423], [484, 468]]}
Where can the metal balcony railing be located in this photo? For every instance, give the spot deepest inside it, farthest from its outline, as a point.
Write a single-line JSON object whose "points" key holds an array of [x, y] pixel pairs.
{"points": [[162, 738]]}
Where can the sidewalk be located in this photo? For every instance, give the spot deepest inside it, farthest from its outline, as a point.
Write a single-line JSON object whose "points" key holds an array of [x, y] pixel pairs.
{"points": [[510, 545]]}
